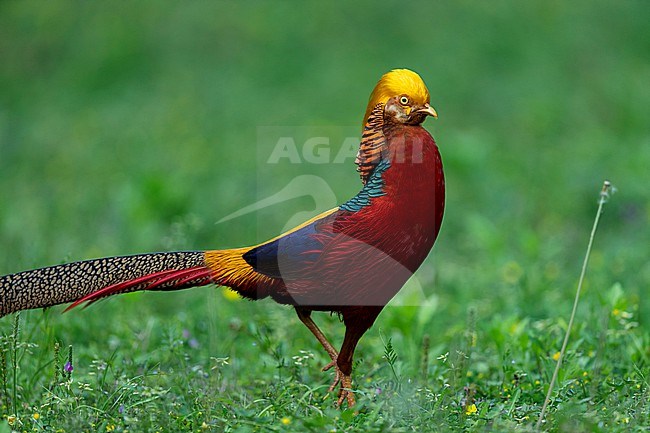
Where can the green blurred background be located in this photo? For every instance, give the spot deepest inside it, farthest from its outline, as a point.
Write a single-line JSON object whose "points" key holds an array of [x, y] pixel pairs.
{"points": [[133, 127]]}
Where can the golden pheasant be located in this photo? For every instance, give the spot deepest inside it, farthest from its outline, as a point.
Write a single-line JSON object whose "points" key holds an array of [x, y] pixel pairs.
{"points": [[350, 260]]}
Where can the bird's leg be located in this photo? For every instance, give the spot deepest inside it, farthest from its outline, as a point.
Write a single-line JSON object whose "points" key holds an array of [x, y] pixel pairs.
{"points": [[357, 321], [305, 317], [344, 365]]}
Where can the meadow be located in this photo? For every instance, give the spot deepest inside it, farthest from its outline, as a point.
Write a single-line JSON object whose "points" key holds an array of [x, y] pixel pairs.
{"points": [[138, 127]]}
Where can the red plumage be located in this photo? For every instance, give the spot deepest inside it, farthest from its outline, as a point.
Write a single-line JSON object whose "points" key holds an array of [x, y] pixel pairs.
{"points": [[366, 256]]}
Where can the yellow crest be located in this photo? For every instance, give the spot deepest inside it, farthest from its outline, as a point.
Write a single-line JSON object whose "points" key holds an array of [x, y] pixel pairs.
{"points": [[398, 82]]}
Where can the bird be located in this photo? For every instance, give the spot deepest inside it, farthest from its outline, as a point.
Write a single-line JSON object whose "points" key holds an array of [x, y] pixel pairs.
{"points": [[350, 260]]}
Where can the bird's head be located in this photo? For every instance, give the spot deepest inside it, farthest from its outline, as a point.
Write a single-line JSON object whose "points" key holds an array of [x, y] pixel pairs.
{"points": [[404, 95]]}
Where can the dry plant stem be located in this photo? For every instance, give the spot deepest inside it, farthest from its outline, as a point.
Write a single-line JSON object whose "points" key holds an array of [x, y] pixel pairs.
{"points": [[14, 354], [604, 195]]}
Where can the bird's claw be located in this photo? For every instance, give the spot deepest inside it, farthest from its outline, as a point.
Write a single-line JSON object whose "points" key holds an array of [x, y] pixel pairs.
{"points": [[337, 379], [345, 392], [345, 382]]}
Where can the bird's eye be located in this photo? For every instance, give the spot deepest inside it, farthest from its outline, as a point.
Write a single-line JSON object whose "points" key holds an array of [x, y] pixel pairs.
{"points": [[404, 100]]}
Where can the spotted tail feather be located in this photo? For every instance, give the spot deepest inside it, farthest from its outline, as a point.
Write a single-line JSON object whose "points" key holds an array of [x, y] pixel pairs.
{"points": [[91, 280]]}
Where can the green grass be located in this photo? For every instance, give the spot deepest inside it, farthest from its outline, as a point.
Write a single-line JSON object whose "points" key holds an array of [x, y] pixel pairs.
{"points": [[136, 128]]}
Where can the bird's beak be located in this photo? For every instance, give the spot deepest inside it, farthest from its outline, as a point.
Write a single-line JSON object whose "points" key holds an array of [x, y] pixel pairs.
{"points": [[428, 110]]}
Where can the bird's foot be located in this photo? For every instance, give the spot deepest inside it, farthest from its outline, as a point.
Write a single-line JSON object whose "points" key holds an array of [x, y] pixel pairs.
{"points": [[345, 391], [337, 374], [345, 381], [329, 366]]}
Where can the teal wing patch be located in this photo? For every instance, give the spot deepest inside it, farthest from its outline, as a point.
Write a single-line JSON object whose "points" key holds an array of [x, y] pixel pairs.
{"points": [[374, 187]]}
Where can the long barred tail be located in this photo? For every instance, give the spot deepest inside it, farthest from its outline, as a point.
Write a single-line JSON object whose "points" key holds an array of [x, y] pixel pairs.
{"points": [[90, 280]]}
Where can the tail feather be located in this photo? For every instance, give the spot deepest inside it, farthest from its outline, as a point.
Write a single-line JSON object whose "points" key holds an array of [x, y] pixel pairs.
{"points": [[181, 278], [200, 277], [164, 280], [90, 280]]}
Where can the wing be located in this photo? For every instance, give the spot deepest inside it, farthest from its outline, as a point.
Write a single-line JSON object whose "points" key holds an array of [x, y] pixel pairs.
{"points": [[373, 146], [293, 251], [289, 254]]}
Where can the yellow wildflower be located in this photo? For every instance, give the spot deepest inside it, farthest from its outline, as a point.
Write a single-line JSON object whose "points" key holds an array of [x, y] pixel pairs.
{"points": [[36, 416], [471, 409], [556, 356], [286, 420], [230, 294]]}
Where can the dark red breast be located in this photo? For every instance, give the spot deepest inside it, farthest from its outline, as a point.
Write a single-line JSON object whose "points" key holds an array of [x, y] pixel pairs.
{"points": [[364, 253]]}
